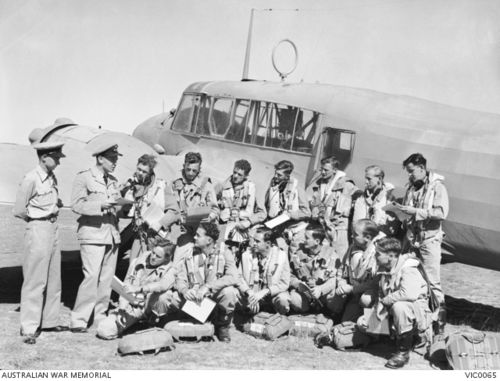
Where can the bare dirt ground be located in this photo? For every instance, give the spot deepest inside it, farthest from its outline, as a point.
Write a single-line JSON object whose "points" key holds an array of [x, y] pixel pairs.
{"points": [[472, 292]]}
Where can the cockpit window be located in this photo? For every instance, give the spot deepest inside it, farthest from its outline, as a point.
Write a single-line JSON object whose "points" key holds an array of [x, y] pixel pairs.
{"points": [[221, 116], [260, 123]]}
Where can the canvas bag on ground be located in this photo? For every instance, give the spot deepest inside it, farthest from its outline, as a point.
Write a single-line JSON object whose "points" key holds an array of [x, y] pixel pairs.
{"points": [[309, 325], [149, 340], [182, 330], [469, 350], [268, 326], [347, 335]]}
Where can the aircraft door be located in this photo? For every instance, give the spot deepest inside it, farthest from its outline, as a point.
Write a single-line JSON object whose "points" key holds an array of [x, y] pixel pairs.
{"points": [[332, 141]]}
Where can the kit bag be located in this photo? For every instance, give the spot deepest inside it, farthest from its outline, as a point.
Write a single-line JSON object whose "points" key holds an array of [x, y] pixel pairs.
{"points": [[190, 331], [347, 335], [268, 326], [309, 325], [469, 350], [152, 340]]}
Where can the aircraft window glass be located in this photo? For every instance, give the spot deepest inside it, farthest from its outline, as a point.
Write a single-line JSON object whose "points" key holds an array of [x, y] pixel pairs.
{"points": [[202, 126], [305, 131], [339, 143], [254, 108], [236, 131], [281, 126], [185, 112], [220, 116]]}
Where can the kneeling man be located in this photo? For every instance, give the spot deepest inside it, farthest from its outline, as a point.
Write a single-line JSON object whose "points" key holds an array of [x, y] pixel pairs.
{"points": [[208, 272], [403, 291], [265, 275], [150, 276], [313, 271]]}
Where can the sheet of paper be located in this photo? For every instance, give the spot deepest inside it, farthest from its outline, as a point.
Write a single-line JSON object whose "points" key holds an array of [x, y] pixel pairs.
{"points": [[199, 311], [117, 286], [374, 324], [282, 218], [195, 215], [153, 214], [395, 208]]}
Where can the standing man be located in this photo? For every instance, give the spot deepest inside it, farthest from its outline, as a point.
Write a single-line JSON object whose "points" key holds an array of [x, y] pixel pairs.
{"points": [[238, 205], [426, 202], [285, 195], [38, 203], [193, 190], [94, 196], [375, 197], [148, 192], [332, 201]]}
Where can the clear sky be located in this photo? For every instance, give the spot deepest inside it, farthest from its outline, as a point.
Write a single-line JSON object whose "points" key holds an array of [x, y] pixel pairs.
{"points": [[115, 62]]}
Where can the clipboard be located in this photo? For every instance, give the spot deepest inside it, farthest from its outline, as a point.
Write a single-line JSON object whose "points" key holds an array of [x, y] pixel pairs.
{"points": [[395, 208]]}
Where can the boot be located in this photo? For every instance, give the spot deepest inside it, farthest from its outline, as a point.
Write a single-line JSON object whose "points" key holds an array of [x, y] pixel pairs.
{"points": [[402, 356], [438, 326], [222, 322], [222, 333]]}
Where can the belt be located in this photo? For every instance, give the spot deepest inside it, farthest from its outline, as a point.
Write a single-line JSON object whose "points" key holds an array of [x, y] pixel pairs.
{"points": [[51, 218]]}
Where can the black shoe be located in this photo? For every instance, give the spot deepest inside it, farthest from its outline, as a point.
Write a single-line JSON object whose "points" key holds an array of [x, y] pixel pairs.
{"points": [[404, 344], [398, 360], [223, 334], [79, 330], [29, 339], [57, 328]]}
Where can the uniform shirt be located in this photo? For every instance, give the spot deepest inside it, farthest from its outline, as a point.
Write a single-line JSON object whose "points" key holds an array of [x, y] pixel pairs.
{"points": [[289, 197], [151, 279], [90, 190], [333, 198], [359, 267], [275, 271], [198, 193], [249, 271], [432, 204], [157, 192], [215, 271], [320, 269], [403, 283], [241, 198], [37, 196]]}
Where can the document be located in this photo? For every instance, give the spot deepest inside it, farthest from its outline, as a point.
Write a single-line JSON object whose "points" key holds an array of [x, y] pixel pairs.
{"points": [[199, 311], [378, 325], [153, 214], [282, 218], [395, 208], [195, 215], [117, 286]]}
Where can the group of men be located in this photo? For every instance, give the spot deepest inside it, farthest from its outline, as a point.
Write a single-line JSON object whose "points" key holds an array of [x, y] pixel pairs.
{"points": [[332, 248]]}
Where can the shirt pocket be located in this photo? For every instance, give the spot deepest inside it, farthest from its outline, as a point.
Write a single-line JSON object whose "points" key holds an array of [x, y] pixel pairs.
{"points": [[45, 198]]}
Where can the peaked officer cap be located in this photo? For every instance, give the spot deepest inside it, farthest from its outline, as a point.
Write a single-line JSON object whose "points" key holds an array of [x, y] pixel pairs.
{"points": [[106, 149], [50, 147]]}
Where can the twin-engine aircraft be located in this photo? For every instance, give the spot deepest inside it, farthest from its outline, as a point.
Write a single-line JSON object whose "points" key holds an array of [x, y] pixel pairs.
{"points": [[265, 122]]}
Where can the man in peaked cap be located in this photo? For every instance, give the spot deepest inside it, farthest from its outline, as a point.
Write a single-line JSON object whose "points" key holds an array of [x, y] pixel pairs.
{"points": [[38, 203], [94, 196]]}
